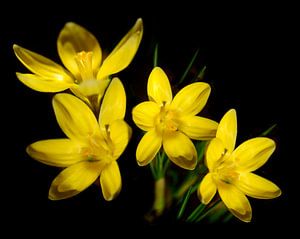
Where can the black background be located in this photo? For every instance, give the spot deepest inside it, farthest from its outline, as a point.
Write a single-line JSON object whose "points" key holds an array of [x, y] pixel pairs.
{"points": [[247, 52]]}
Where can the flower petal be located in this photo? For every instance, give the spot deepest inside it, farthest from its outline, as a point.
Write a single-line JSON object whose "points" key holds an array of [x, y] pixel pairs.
{"points": [[56, 152], [235, 201], [214, 153], [74, 117], [180, 149], [74, 180], [159, 88], [198, 128], [74, 39], [114, 103], [148, 147], [120, 134], [123, 53], [42, 66], [257, 187], [43, 84], [253, 153], [207, 189], [144, 115], [227, 130], [110, 180], [191, 99]]}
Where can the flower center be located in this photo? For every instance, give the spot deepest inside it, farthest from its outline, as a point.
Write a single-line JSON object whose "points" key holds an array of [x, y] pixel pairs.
{"points": [[88, 85], [167, 119], [225, 169]]}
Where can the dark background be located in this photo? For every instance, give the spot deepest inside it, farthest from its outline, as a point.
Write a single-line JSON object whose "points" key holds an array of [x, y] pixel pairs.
{"points": [[247, 53]]}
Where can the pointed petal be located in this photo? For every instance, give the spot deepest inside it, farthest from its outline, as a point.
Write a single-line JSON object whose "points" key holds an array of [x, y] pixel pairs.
{"points": [[123, 53], [253, 153], [42, 66], [74, 117], [257, 187], [148, 147], [235, 201], [110, 180], [120, 133], [207, 189], [56, 152], [144, 115], [214, 153], [198, 128], [114, 103], [43, 84], [180, 149], [74, 39], [191, 99], [159, 88], [227, 130], [74, 180]]}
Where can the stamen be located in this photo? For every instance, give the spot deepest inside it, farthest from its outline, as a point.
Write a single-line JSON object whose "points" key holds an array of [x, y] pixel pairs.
{"points": [[84, 63]]}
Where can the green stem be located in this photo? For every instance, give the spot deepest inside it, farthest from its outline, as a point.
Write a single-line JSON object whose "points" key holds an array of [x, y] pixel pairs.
{"points": [[155, 55], [159, 196], [188, 67]]}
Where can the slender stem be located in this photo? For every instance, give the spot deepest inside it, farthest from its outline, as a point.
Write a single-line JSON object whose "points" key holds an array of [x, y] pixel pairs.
{"points": [[155, 55], [188, 67]]}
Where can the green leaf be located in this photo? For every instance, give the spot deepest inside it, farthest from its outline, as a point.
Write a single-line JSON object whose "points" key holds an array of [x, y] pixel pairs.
{"points": [[188, 67], [196, 213], [184, 203], [155, 56], [201, 74], [268, 131]]}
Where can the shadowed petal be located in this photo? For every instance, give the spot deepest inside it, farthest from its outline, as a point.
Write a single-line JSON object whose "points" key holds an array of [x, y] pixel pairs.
{"points": [[180, 150], [214, 153], [207, 189], [235, 201], [148, 147], [144, 115], [253, 153], [159, 88], [43, 84], [110, 180], [42, 66], [227, 130], [74, 180], [123, 53], [191, 99], [257, 187], [56, 152], [198, 128], [74, 117]]}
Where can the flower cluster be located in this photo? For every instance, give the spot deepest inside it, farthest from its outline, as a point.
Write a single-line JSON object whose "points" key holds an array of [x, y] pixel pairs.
{"points": [[91, 114]]}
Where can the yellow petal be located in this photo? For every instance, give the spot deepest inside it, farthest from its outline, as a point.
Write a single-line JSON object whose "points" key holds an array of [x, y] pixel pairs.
{"points": [[110, 180], [180, 150], [144, 115], [114, 103], [42, 66], [198, 128], [148, 147], [207, 189], [74, 39], [235, 201], [257, 187], [74, 117], [43, 84], [214, 153], [253, 153], [56, 152], [191, 99], [159, 88], [123, 53], [120, 133], [227, 130], [74, 180]]}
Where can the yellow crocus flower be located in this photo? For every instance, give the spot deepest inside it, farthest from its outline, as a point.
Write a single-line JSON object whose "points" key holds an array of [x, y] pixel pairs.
{"points": [[230, 170], [87, 73], [92, 146], [172, 122]]}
